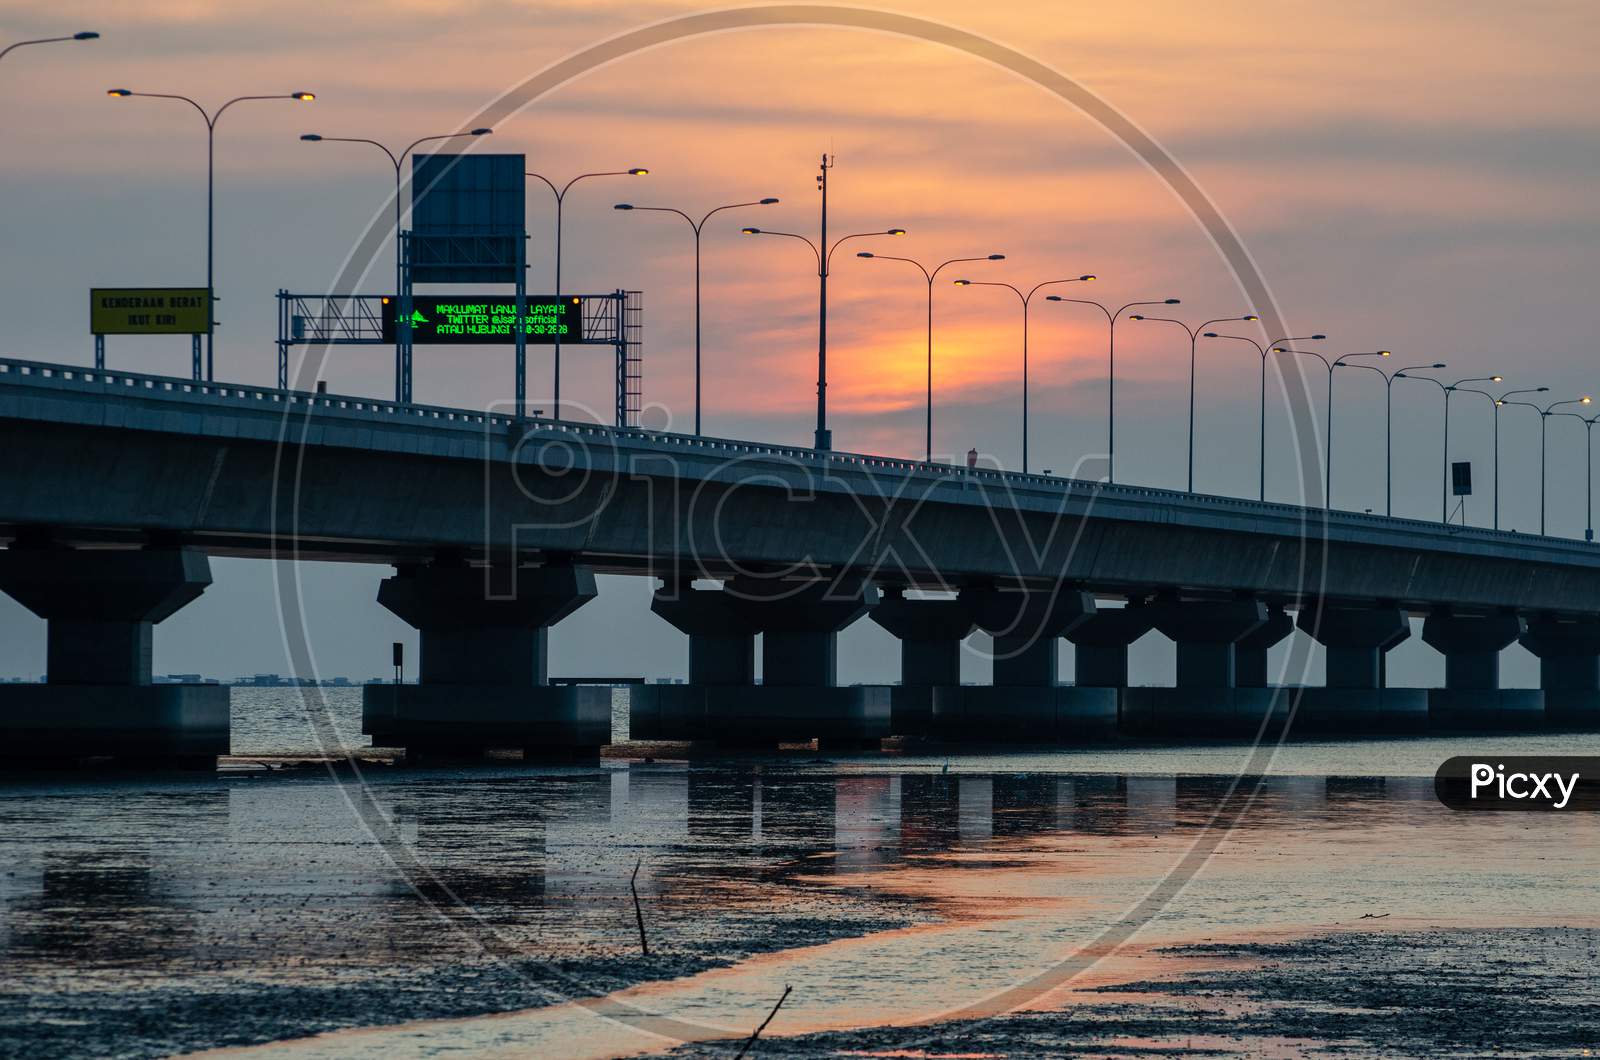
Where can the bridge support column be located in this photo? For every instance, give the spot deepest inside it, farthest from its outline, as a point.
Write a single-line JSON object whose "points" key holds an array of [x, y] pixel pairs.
{"points": [[1102, 640], [1355, 699], [1472, 696], [1569, 668], [483, 677], [1026, 703], [930, 634], [101, 607], [1250, 652], [1207, 697], [798, 699]]}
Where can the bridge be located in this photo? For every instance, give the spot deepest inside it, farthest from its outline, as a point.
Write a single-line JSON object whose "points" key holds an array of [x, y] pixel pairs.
{"points": [[119, 486]]}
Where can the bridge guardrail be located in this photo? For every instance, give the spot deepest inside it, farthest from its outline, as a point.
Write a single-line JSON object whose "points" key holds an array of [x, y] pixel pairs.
{"points": [[184, 389]]}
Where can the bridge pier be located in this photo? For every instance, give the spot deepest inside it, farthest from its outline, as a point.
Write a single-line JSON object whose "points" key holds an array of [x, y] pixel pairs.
{"points": [[1026, 703], [101, 607], [1569, 668], [483, 675], [1250, 651], [1356, 640], [1102, 640], [1472, 696], [798, 699], [930, 634], [1207, 697]]}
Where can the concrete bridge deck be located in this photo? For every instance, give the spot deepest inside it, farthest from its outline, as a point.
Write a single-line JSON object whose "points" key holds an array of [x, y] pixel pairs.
{"points": [[117, 485]]}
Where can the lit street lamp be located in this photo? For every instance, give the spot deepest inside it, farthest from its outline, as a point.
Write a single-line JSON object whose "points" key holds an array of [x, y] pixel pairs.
{"points": [[1111, 369], [930, 277], [1499, 401], [697, 226], [211, 120], [1261, 460], [85, 35], [1588, 478], [398, 160], [1026, 299], [1444, 469], [1544, 417], [1194, 336], [1388, 425], [561, 198]]}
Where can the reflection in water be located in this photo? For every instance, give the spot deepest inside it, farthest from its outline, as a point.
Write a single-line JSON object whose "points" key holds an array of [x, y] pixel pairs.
{"points": [[274, 880]]}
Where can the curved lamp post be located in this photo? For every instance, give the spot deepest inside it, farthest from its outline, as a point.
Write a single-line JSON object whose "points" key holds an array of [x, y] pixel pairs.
{"points": [[1261, 459], [1111, 369], [1544, 418], [401, 390], [1499, 401], [824, 254], [1588, 481], [211, 120], [85, 35], [1329, 366], [1194, 337], [1026, 299], [1388, 422], [561, 199], [930, 276], [697, 227], [1444, 467]]}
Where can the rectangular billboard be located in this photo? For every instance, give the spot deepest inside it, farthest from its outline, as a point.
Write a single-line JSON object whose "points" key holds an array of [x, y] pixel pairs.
{"points": [[485, 319], [147, 311], [468, 212]]}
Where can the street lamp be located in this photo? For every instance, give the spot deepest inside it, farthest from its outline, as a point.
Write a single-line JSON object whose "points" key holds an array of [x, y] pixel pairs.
{"points": [[561, 198], [211, 120], [1111, 370], [1444, 468], [1499, 401], [1261, 460], [1388, 423], [697, 226], [85, 35], [401, 391], [1588, 481], [1194, 336], [823, 438], [1327, 463], [1026, 299], [930, 276], [1544, 417]]}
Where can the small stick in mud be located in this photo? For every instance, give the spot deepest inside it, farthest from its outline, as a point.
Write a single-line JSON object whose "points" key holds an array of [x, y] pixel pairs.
{"points": [[638, 914], [757, 1033]]}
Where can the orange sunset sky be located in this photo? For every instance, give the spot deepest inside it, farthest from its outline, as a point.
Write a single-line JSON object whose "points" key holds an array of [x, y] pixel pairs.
{"points": [[1412, 177]]}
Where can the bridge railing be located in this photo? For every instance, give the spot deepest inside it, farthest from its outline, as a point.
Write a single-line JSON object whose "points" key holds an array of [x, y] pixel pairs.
{"points": [[346, 406]]}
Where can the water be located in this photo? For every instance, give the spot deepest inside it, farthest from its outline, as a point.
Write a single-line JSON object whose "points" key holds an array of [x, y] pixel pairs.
{"points": [[151, 915]]}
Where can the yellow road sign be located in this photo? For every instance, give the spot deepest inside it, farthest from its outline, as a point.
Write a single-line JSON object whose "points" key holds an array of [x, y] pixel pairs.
{"points": [[147, 311]]}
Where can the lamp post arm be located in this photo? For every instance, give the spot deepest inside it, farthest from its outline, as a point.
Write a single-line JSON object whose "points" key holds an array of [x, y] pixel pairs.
{"points": [[236, 99], [42, 40], [585, 176], [209, 119], [926, 275], [801, 238], [827, 260], [547, 183], [709, 213]]}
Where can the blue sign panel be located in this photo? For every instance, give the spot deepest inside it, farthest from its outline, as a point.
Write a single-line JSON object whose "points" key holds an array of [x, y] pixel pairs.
{"points": [[468, 213]]}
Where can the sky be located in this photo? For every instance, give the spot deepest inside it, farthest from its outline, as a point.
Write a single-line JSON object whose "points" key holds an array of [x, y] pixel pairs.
{"points": [[1412, 177]]}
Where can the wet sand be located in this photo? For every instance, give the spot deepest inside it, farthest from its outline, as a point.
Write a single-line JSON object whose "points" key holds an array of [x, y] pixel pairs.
{"points": [[486, 911]]}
